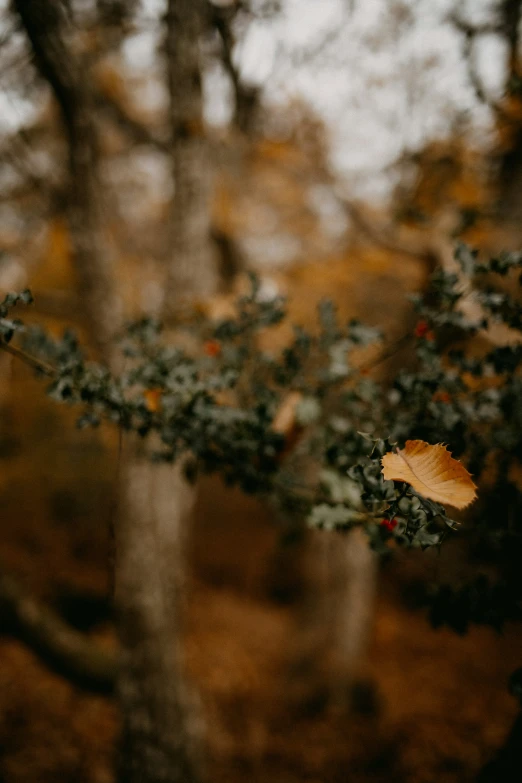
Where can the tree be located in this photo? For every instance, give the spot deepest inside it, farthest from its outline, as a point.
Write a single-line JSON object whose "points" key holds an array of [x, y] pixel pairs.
{"points": [[192, 269], [507, 16], [44, 24], [159, 718], [162, 730]]}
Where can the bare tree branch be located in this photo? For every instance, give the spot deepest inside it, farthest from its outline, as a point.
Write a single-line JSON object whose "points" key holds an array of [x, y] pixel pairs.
{"points": [[68, 652], [471, 33], [474, 30], [382, 236], [30, 361], [246, 96], [136, 131], [511, 14]]}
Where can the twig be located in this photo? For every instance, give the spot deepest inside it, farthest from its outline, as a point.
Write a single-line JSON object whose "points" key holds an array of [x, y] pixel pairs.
{"points": [[386, 354], [470, 33], [133, 128], [30, 361]]}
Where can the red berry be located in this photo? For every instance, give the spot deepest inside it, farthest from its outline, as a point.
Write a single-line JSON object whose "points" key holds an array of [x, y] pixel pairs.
{"points": [[389, 524], [212, 348], [421, 329]]}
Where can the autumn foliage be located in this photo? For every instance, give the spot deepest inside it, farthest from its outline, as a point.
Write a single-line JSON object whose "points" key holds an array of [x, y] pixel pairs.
{"points": [[432, 472]]}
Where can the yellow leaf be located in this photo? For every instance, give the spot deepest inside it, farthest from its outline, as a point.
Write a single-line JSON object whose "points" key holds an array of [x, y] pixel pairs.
{"points": [[432, 472]]}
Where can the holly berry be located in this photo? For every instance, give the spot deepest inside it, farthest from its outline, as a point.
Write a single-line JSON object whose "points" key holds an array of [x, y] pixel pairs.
{"points": [[442, 396], [212, 348], [389, 524], [421, 329]]}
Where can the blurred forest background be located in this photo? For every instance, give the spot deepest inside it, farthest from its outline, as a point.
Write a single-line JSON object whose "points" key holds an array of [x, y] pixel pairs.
{"points": [[343, 147]]}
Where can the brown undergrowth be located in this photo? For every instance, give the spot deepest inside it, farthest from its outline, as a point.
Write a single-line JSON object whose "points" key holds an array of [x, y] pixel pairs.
{"points": [[431, 706]]}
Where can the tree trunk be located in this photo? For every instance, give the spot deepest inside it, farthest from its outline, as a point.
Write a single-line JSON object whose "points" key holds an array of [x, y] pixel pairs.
{"points": [[160, 721], [335, 616], [45, 23], [192, 271], [353, 585], [510, 170], [161, 728]]}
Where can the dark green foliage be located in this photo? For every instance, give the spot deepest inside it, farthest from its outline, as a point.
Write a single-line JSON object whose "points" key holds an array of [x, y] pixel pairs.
{"points": [[7, 326], [214, 405]]}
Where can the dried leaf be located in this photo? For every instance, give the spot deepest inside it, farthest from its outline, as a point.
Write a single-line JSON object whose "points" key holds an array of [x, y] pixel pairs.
{"points": [[285, 420], [432, 472], [153, 399]]}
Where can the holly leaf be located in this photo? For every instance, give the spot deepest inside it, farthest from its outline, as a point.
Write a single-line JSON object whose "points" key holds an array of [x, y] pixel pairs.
{"points": [[432, 472]]}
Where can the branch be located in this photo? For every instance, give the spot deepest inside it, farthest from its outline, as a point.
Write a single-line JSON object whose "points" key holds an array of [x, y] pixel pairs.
{"points": [[473, 30], [511, 14], [245, 96], [43, 24], [470, 33], [30, 361], [386, 353], [65, 650], [221, 18], [135, 130], [381, 236]]}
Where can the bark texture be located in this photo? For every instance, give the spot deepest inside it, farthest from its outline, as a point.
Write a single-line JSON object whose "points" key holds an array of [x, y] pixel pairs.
{"points": [[192, 269], [46, 26], [336, 613], [354, 573], [160, 719]]}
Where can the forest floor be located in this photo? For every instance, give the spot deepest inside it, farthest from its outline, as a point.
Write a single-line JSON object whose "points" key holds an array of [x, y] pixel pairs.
{"points": [[432, 706]]}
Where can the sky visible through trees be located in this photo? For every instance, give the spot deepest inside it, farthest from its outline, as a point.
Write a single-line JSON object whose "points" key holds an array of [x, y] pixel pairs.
{"points": [[385, 77]]}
